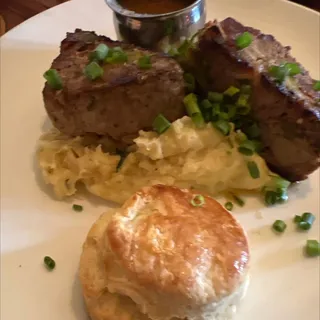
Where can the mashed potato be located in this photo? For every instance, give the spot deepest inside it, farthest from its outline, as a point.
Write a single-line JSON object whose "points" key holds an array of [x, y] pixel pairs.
{"points": [[183, 156]]}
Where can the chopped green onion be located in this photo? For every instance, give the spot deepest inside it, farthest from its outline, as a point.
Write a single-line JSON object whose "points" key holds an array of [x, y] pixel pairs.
{"points": [[215, 109], [292, 69], [93, 71], [279, 226], [100, 52], [229, 205], [270, 198], [241, 137], [53, 79], [223, 126], [191, 104], [49, 263], [297, 219], [206, 104], [116, 55], [246, 89], [243, 106], [198, 200], [198, 120], [232, 111], [123, 156], [161, 124], [253, 131], [316, 86], [223, 116], [253, 169], [190, 82], [231, 91], [238, 200], [244, 40], [306, 222], [215, 96], [278, 73], [77, 207], [144, 62], [313, 248], [247, 148]]}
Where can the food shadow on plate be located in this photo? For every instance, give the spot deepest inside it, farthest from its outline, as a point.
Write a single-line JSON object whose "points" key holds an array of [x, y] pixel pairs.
{"points": [[77, 301]]}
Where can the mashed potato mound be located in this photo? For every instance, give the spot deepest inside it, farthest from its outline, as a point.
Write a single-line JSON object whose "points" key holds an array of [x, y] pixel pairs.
{"points": [[183, 156]]}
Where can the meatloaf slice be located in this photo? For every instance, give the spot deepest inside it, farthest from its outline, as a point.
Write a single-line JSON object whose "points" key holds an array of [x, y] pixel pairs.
{"points": [[125, 100], [288, 113]]}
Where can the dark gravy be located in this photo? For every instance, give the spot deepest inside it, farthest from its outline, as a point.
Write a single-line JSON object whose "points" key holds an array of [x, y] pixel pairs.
{"points": [[155, 6]]}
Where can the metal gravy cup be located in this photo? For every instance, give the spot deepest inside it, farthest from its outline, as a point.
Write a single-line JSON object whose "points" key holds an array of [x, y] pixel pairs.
{"points": [[158, 31]]}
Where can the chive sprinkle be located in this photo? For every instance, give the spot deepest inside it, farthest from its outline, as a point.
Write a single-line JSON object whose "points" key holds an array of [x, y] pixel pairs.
{"points": [[215, 96], [100, 52], [161, 124], [316, 86], [77, 207], [144, 62], [93, 71], [223, 126], [198, 200], [253, 170], [279, 226], [297, 219], [244, 40], [229, 206], [306, 222], [238, 200], [247, 148], [313, 248], [53, 79], [231, 91], [49, 263]]}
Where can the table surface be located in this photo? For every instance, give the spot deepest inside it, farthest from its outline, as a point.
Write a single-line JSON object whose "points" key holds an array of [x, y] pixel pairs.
{"points": [[13, 12]]}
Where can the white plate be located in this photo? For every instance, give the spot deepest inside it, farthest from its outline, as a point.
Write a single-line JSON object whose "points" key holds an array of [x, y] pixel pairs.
{"points": [[284, 285]]}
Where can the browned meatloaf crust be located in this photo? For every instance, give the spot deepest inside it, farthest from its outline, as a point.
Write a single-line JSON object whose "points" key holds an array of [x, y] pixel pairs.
{"points": [[288, 113], [125, 100]]}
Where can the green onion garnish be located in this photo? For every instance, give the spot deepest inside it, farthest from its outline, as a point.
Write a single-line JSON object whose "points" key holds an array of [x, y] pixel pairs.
{"points": [[191, 104], [270, 198], [93, 71], [297, 219], [116, 55], [190, 82], [292, 69], [215, 109], [231, 91], [206, 104], [198, 200], [306, 222], [253, 131], [144, 62], [246, 89], [244, 40], [229, 205], [238, 200], [279, 226], [253, 169], [278, 73], [49, 263], [247, 148], [215, 96], [223, 116], [243, 106], [198, 120], [100, 52], [316, 85], [313, 248], [53, 79], [77, 207], [223, 126], [161, 124]]}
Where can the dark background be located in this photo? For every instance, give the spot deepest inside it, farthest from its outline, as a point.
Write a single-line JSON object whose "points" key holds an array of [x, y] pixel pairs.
{"points": [[13, 12]]}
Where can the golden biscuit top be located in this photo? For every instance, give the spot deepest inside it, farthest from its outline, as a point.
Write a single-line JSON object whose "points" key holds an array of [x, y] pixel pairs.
{"points": [[166, 244]]}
